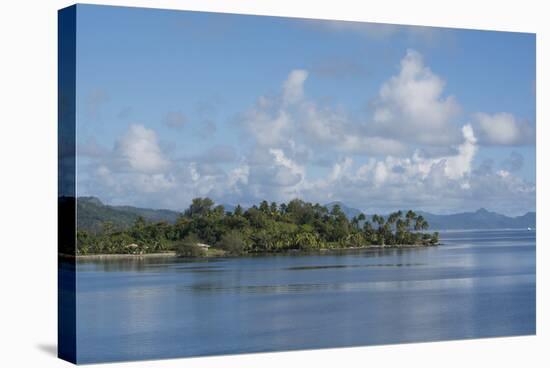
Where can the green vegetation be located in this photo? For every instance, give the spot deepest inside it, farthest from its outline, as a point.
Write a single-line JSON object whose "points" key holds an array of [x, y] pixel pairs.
{"points": [[93, 214], [268, 227], [188, 247]]}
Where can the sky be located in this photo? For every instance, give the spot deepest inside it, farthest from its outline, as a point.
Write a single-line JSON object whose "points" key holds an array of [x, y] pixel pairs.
{"points": [[173, 105]]}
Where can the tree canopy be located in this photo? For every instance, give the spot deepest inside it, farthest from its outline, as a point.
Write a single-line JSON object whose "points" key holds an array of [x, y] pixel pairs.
{"points": [[267, 227]]}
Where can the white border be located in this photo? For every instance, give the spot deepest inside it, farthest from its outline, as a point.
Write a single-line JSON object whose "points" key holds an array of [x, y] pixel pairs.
{"points": [[28, 153]]}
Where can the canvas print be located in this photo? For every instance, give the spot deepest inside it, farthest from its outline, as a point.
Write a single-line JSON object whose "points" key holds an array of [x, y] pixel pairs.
{"points": [[238, 184]]}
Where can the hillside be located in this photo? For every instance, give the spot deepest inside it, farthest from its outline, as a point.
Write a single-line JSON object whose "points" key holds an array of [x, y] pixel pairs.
{"points": [[348, 211], [92, 213]]}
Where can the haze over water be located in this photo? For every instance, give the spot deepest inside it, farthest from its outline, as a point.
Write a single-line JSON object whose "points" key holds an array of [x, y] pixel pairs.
{"points": [[478, 284]]}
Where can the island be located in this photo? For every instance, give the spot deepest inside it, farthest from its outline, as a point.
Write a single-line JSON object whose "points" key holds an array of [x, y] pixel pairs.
{"points": [[206, 230]]}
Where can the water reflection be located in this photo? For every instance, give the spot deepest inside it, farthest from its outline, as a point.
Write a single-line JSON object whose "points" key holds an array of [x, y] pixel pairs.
{"points": [[139, 264], [325, 267], [169, 307]]}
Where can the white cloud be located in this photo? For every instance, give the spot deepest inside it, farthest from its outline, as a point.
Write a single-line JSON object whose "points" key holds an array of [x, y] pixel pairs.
{"points": [[410, 109], [136, 164], [273, 121], [411, 106], [272, 174], [461, 164], [455, 167], [370, 145], [418, 182], [293, 87], [139, 148], [289, 172], [503, 128], [335, 128], [380, 184], [384, 160], [411, 152], [239, 175], [340, 169], [267, 128], [126, 183]]}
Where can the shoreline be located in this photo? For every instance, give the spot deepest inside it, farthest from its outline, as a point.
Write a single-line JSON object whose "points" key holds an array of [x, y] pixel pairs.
{"points": [[118, 256], [288, 252]]}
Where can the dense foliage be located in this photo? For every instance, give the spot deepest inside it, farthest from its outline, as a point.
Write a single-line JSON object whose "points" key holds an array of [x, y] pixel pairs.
{"points": [[268, 227]]}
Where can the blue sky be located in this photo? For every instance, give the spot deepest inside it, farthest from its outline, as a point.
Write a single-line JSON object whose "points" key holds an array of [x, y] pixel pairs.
{"points": [[173, 105]]}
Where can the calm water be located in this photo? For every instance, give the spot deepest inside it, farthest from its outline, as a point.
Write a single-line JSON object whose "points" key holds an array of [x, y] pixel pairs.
{"points": [[479, 284]]}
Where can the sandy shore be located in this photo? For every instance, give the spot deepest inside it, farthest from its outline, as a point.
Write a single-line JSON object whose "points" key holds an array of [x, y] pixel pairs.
{"points": [[289, 252], [120, 256]]}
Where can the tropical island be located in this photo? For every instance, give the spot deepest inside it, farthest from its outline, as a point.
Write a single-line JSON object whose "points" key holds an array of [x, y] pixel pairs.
{"points": [[206, 229]]}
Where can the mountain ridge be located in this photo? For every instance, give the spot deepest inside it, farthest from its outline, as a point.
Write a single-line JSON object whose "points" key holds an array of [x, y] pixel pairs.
{"points": [[92, 212]]}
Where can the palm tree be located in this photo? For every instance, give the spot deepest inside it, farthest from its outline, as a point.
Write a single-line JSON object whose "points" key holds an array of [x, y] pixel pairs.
{"points": [[238, 210], [264, 207], [273, 209], [378, 220], [393, 217], [410, 217], [367, 229], [421, 223], [381, 229], [400, 228], [355, 222]]}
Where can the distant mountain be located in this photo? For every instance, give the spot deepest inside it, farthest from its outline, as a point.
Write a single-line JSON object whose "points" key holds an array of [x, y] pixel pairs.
{"points": [[348, 211], [480, 219], [91, 213]]}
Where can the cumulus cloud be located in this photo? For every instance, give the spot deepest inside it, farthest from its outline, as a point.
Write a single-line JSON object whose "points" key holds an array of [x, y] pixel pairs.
{"points": [[140, 149], [274, 119], [136, 165], [288, 172], [137, 170], [374, 184], [461, 164], [411, 106], [503, 129], [423, 182], [293, 87], [394, 169], [411, 150], [335, 128], [267, 127]]}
